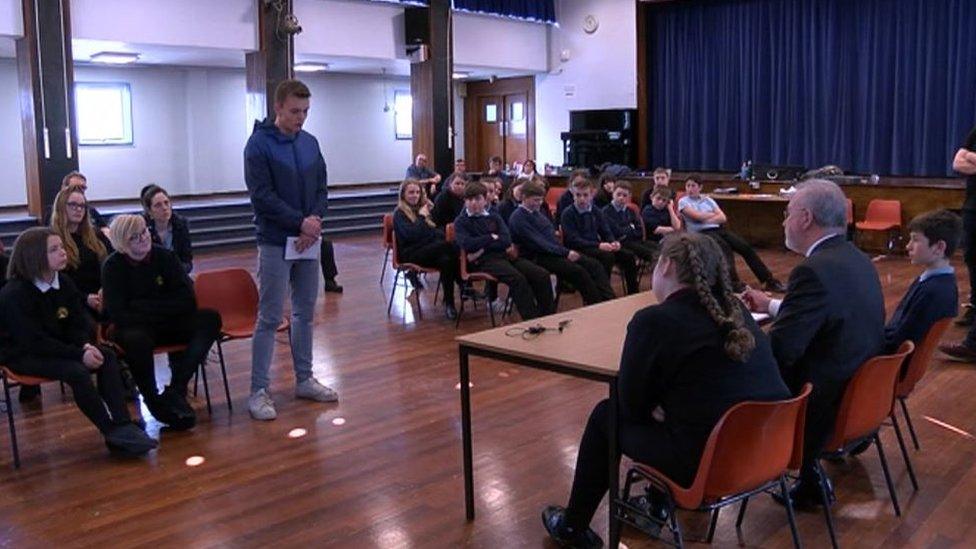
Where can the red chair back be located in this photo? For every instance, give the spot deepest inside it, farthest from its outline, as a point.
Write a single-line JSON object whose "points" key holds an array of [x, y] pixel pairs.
{"points": [[233, 294], [552, 197], [388, 230], [884, 211], [636, 209], [918, 363], [756, 442], [449, 232], [868, 398]]}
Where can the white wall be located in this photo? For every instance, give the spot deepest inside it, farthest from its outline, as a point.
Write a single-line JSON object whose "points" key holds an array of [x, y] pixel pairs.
{"points": [[600, 74], [486, 41], [203, 23], [355, 29], [11, 18], [13, 180]]}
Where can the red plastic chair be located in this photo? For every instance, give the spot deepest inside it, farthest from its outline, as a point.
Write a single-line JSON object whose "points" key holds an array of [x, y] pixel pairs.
{"points": [[867, 402], [11, 379], [402, 269], [387, 243], [552, 197], [911, 374], [749, 451], [882, 216]]}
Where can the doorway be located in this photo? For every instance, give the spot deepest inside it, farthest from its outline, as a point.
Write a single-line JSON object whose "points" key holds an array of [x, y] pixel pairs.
{"points": [[499, 120]]}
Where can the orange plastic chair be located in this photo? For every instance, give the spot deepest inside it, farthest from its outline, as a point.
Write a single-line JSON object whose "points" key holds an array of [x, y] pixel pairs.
{"points": [[11, 379], [552, 197], [402, 269], [867, 402], [387, 243], [882, 216], [748, 451], [911, 374]]}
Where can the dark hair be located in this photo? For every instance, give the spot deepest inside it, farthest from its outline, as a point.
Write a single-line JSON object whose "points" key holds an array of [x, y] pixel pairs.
{"points": [[75, 173], [533, 188], [607, 177], [149, 192], [485, 179], [661, 169], [29, 258], [621, 184], [661, 192], [288, 88], [460, 176], [581, 183], [495, 159], [694, 177], [939, 225], [474, 189], [700, 264]]}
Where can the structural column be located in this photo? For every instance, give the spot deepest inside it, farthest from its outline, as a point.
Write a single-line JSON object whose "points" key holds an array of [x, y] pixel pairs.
{"points": [[430, 45], [47, 102], [275, 59]]}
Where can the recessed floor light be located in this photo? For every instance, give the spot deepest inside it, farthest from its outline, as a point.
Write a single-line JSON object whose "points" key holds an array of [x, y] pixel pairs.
{"points": [[297, 433], [194, 461], [339, 421]]}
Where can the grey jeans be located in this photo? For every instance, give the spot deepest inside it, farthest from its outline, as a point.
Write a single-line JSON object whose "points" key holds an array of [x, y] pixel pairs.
{"points": [[275, 275]]}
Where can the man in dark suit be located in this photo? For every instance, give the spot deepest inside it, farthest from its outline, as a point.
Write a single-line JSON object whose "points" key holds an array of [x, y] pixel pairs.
{"points": [[831, 320]]}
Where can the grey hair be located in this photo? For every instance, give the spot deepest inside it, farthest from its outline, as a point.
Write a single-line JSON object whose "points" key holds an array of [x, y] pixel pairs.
{"points": [[825, 201]]}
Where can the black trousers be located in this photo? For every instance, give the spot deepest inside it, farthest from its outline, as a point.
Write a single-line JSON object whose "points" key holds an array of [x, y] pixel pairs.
{"points": [[528, 283], [644, 249], [821, 414], [649, 443], [327, 258], [731, 242], [197, 331], [969, 248], [585, 274], [441, 255], [623, 258], [91, 401]]}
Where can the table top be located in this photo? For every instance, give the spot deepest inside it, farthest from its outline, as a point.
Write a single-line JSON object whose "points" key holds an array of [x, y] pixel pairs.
{"points": [[592, 342], [746, 197]]}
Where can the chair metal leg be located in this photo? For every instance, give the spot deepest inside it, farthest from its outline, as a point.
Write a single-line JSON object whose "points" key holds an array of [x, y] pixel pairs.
{"points": [[206, 386], [742, 513], [826, 506], [61, 383], [457, 321], [887, 475], [784, 489], [196, 381], [673, 522], [223, 373], [420, 307], [711, 526], [904, 452], [386, 261], [389, 307], [908, 420], [437, 289], [10, 421], [491, 312]]}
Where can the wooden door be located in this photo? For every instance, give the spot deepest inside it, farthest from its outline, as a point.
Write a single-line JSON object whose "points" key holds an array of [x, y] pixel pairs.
{"points": [[499, 120]]}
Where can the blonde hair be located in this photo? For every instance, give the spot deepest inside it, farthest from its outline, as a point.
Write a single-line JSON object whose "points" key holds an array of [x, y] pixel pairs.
{"points": [[59, 224], [701, 265], [413, 212], [123, 228]]}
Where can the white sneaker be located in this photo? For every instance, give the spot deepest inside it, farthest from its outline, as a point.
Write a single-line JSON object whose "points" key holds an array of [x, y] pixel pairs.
{"points": [[261, 406], [313, 390]]}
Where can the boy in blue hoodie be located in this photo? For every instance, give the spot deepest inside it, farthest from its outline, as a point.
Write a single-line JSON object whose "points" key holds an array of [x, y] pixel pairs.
{"points": [[485, 238], [285, 176]]}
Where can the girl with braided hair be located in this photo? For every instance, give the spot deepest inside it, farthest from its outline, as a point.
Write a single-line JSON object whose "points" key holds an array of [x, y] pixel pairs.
{"points": [[685, 362]]}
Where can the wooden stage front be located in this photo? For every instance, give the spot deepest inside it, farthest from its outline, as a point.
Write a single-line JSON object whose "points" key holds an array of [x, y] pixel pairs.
{"points": [[382, 468]]}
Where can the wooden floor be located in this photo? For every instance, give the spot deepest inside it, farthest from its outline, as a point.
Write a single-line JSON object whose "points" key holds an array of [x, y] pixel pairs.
{"points": [[382, 468]]}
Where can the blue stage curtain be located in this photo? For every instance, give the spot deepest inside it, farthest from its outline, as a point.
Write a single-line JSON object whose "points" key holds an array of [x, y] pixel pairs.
{"points": [[874, 86], [533, 10]]}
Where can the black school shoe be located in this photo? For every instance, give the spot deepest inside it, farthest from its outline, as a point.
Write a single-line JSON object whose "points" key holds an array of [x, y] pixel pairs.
{"points": [[554, 519], [128, 440], [332, 286], [967, 317], [185, 417], [28, 393]]}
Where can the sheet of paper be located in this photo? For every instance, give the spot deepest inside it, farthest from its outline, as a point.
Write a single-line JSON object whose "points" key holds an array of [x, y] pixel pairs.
{"points": [[310, 253], [760, 317]]}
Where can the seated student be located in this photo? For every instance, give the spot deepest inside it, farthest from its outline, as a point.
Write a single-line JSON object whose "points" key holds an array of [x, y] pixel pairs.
{"points": [[45, 331], [528, 170], [486, 239], [424, 175], [685, 362], [460, 168], [149, 298], [496, 168], [448, 204], [933, 238], [626, 226], [514, 199], [86, 247], [536, 238], [78, 180], [493, 191], [166, 227], [662, 178], [604, 192], [660, 217], [703, 215], [587, 231], [420, 241], [566, 199]]}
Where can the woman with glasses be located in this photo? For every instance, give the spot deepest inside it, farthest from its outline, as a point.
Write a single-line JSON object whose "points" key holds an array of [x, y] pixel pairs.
{"points": [[150, 301], [86, 247], [168, 228]]}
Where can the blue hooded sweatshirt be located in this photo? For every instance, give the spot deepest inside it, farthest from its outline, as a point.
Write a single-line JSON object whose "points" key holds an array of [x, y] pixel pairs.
{"points": [[286, 180]]}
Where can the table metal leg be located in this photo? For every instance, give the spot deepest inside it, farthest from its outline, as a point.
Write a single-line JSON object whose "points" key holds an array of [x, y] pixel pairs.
{"points": [[613, 526], [466, 433]]}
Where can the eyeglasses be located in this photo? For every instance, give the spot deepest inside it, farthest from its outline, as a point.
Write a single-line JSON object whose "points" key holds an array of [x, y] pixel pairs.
{"points": [[77, 205], [139, 236]]}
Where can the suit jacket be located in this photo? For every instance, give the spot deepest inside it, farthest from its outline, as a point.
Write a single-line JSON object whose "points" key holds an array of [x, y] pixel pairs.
{"points": [[832, 319]]}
